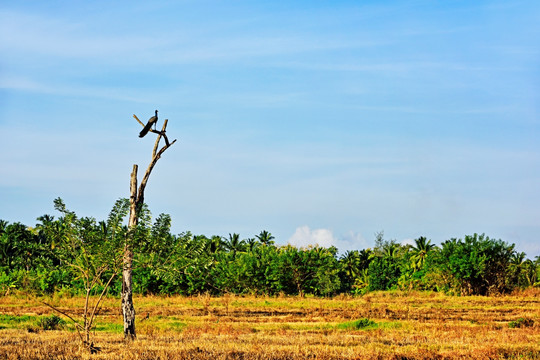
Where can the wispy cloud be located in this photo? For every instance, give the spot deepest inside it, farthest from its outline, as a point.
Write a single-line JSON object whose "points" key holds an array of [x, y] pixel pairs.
{"points": [[11, 82], [55, 37], [20, 83]]}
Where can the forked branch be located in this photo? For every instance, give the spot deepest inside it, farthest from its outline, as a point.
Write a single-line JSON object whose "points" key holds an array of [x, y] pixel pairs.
{"points": [[156, 155], [162, 132]]}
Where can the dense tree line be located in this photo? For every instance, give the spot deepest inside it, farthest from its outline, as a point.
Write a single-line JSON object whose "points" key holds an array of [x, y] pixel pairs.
{"points": [[81, 255]]}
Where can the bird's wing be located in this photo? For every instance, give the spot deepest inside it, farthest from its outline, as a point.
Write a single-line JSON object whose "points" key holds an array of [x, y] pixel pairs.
{"points": [[145, 130]]}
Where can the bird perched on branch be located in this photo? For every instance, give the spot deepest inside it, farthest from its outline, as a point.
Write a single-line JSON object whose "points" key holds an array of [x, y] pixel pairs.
{"points": [[148, 126]]}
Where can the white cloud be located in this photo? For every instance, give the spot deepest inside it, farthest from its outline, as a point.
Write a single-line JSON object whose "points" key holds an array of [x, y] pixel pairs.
{"points": [[304, 236], [353, 241]]}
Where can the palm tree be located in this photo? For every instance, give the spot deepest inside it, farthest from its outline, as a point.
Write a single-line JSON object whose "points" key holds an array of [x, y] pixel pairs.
{"points": [[213, 245], [350, 261], [251, 244], [364, 258], [362, 281], [517, 259], [391, 249], [420, 251], [517, 266], [234, 244], [530, 273], [3, 225], [265, 238]]}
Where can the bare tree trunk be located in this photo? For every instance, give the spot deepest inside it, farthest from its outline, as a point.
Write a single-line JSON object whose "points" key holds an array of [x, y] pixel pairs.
{"points": [[136, 202], [128, 310]]}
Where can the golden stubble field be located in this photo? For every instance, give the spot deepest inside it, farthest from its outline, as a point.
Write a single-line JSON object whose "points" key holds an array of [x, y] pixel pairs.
{"points": [[386, 325]]}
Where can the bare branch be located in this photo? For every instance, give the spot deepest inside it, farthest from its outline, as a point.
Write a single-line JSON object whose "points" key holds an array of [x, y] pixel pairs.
{"points": [[163, 132], [140, 122], [94, 310], [140, 197], [85, 315], [77, 325], [133, 197], [156, 155], [158, 139], [63, 313]]}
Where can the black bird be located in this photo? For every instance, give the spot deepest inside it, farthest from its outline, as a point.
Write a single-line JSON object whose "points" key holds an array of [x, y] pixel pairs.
{"points": [[148, 125]]}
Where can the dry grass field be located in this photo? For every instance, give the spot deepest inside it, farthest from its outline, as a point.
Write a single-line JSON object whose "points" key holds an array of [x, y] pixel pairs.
{"points": [[386, 325]]}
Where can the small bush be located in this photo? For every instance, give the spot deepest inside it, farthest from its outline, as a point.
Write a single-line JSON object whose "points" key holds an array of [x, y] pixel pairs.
{"points": [[357, 324], [521, 322], [52, 322]]}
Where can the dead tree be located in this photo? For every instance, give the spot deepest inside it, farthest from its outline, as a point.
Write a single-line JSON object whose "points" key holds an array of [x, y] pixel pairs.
{"points": [[136, 201]]}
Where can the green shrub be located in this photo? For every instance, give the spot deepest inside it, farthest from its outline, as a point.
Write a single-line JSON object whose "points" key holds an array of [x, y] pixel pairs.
{"points": [[384, 273], [52, 322], [521, 322]]}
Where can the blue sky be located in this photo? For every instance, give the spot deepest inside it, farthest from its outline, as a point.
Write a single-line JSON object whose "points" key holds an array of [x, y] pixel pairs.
{"points": [[318, 121]]}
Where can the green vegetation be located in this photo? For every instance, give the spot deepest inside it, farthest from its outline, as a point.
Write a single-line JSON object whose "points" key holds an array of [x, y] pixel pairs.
{"points": [[521, 322], [358, 324], [18, 321], [79, 255], [51, 322]]}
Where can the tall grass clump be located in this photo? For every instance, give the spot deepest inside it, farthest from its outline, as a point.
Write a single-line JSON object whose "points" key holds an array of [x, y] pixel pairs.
{"points": [[52, 322]]}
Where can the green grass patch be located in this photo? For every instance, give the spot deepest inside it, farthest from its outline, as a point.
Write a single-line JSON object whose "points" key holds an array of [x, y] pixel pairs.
{"points": [[389, 325], [17, 318], [32, 322], [177, 325], [17, 321], [110, 327], [174, 325], [360, 324]]}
